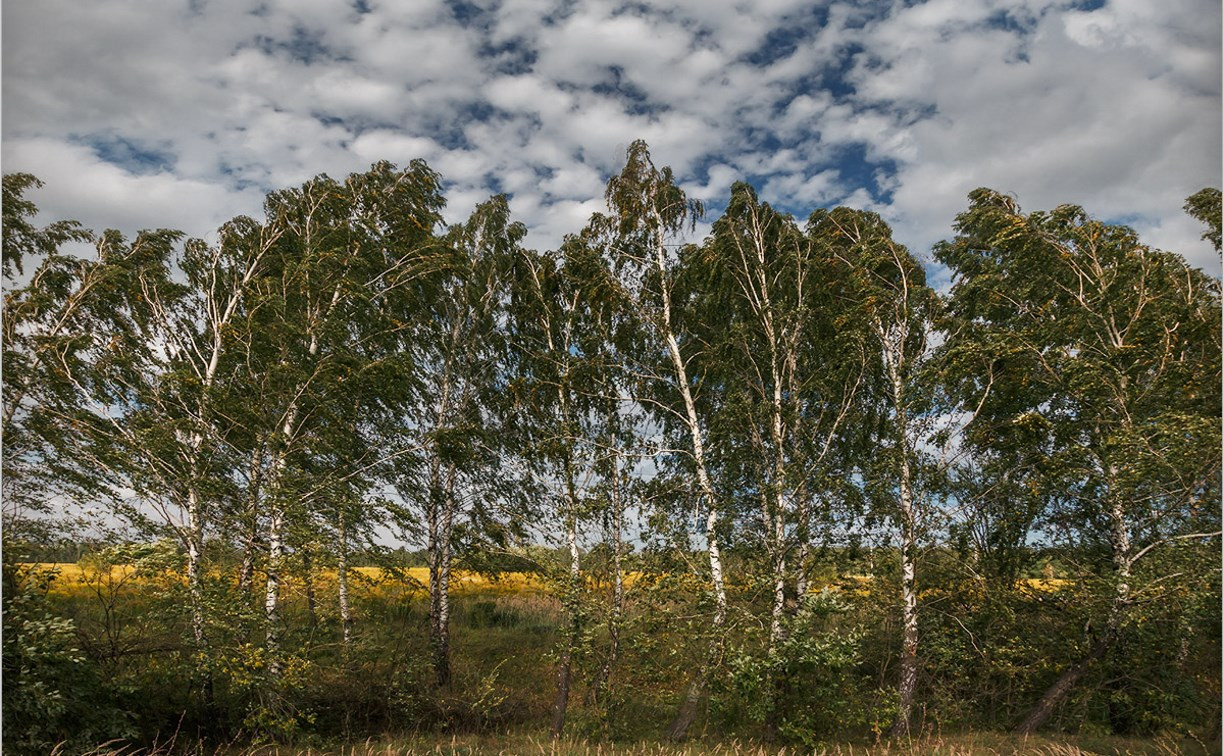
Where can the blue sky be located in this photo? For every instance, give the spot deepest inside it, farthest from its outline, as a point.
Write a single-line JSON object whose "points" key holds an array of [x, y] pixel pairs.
{"points": [[182, 114]]}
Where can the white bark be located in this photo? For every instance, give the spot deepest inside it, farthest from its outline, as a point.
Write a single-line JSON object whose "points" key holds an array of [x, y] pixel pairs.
{"points": [[800, 579], [288, 433], [893, 341], [561, 705], [705, 487], [220, 312], [618, 568], [342, 582], [271, 603], [195, 540], [441, 526]]}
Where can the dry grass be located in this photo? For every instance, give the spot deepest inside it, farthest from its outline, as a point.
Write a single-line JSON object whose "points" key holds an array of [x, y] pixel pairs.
{"points": [[534, 745]]}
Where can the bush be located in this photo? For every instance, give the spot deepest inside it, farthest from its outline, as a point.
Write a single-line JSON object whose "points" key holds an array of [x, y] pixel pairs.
{"points": [[52, 693], [809, 690]]}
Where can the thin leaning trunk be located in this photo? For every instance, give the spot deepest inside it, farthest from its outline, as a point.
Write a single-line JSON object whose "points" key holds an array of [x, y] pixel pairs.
{"points": [[800, 577], [195, 514], [687, 711], [777, 683], [439, 613], [561, 705], [194, 537], [342, 583], [908, 655], [684, 718], [617, 609], [195, 588], [908, 572], [776, 628], [1052, 698], [271, 605], [1122, 564], [441, 525], [276, 548], [246, 572]]}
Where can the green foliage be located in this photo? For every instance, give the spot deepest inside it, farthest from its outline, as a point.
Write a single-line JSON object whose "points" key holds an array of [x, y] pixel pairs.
{"points": [[277, 401], [809, 688], [53, 694], [1207, 206]]}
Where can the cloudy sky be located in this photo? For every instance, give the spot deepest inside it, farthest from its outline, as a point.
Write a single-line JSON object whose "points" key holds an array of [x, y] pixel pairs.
{"points": [[140, 113]]}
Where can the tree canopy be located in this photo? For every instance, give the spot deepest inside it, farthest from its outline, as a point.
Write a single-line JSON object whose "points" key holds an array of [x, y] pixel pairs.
{"points": [[845, 498]]}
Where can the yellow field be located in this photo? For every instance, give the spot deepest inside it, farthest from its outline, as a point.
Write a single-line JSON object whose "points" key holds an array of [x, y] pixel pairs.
{"points": [[72, 576]]}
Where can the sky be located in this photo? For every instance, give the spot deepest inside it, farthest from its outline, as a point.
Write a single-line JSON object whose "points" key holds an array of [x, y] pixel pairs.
{"points": [[140, 114]]}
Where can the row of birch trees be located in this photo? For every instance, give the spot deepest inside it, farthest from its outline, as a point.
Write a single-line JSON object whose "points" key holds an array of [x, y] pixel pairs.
{"points": [[349, 366]]}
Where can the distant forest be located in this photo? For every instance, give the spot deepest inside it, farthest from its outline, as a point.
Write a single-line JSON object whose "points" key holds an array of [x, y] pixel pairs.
{"points": [[769, 485]]}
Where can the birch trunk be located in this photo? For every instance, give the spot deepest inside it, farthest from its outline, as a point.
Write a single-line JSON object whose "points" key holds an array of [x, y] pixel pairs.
{"points": [[246, 572], [561, 705], [908, 590], [687, 711], [617, 608], [698, 456], [441, 525], [276, 546], [800, 578], [288, 432], [220, 316], [271, 603], [893, 355], [342, 583], [1068, 679], [195, 542]]}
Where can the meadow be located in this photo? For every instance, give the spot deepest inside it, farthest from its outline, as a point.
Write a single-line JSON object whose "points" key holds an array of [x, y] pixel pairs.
{"points": [[375, 696]]}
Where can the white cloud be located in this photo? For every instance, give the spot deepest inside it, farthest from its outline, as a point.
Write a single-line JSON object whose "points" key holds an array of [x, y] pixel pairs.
{"points": [[100, 195], [1116, 108]]}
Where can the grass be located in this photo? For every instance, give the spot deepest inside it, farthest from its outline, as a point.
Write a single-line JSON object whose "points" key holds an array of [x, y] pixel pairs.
{"points": [[503, 635], [529, 744]]}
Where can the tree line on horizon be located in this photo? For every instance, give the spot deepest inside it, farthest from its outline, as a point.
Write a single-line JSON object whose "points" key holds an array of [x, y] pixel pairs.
{"points": [[777, 393]]}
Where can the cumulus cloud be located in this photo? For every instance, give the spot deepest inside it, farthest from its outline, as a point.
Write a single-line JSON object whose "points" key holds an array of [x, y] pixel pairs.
{"points": [[140, 115], [1116, 109], [100, 195]]}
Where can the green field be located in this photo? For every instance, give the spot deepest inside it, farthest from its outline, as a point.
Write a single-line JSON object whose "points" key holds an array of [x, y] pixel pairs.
{"points": [[377, 696]]}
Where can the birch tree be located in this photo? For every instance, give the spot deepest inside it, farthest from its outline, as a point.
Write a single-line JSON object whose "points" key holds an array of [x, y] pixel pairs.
{"points": [[349, 264], [782, 370], [566, 377], [461, 482], [1105, 353], [548, 377], [43, 324], [648, 215], [895, 305]]}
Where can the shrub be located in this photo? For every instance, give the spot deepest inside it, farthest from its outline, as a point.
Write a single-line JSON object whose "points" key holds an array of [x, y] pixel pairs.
{"points": [[52, 692]]}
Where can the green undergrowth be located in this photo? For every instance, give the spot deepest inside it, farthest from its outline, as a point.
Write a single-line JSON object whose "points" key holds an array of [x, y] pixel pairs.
{"points": [[116, 666]]}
